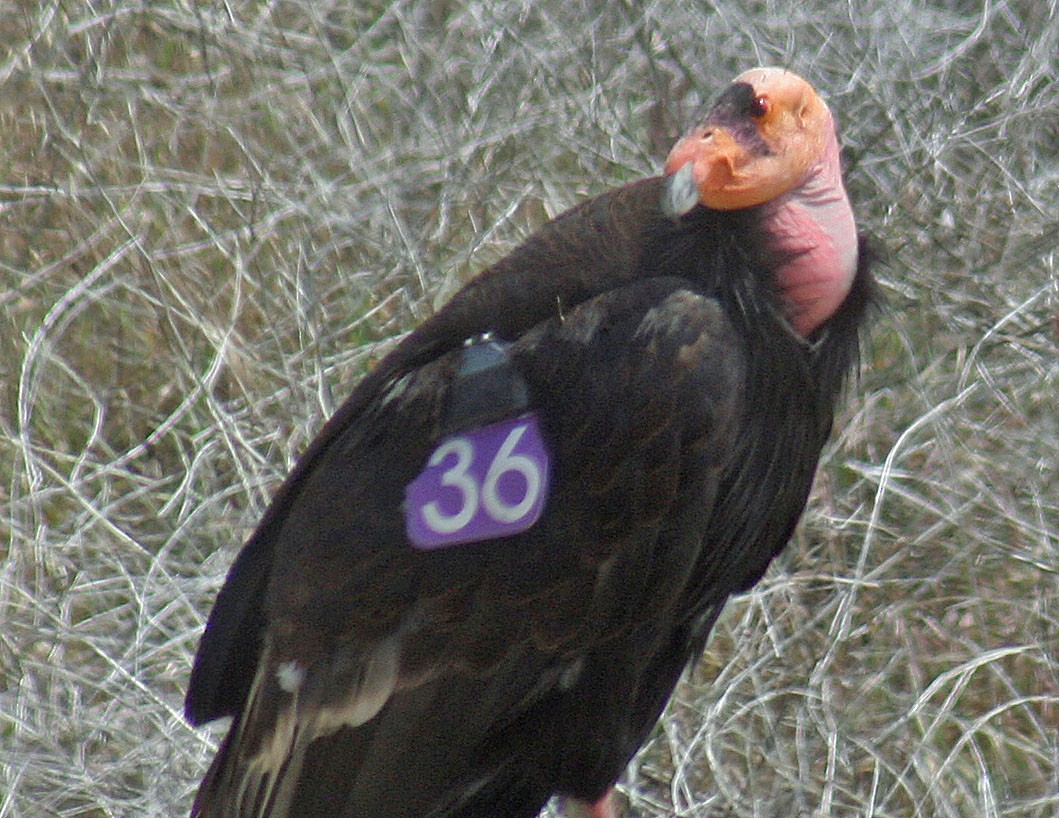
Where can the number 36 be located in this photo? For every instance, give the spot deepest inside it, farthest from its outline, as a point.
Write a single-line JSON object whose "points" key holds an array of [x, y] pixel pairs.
{"points": [[505, 499]]}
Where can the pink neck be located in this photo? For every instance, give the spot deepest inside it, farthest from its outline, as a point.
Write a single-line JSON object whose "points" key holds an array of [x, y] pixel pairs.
{"points": [[814, 223]]}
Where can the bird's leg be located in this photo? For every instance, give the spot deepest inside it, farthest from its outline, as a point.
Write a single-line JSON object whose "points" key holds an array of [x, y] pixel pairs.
{"points": [[603, 808]]}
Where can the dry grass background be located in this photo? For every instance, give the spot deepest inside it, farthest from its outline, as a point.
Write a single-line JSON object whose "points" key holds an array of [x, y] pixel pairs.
{"points": [[214, 216]]}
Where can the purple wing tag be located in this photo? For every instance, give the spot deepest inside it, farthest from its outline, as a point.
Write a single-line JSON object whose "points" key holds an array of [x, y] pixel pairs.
{"points": [[479, 484]]}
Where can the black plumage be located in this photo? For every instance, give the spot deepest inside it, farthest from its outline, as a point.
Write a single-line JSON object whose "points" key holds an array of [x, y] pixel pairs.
{"points": [[683, 418]]}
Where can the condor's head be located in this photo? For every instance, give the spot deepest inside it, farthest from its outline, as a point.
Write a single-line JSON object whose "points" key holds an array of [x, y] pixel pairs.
{"points": [[769, 141]]}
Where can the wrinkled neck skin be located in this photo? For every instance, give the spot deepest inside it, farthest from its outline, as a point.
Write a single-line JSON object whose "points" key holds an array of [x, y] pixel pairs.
{"points": [[813, 226]]}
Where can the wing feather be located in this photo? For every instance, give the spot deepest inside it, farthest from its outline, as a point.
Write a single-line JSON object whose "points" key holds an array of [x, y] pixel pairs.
{"points": [[585, 251], [385, 665]]}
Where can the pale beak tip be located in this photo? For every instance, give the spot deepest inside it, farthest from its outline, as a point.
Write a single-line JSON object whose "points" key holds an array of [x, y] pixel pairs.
{"points": [[679, 192]]}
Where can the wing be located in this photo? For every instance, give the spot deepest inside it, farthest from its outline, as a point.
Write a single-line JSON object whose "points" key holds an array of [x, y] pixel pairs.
{"points": [[584, 252], [399, 681]]}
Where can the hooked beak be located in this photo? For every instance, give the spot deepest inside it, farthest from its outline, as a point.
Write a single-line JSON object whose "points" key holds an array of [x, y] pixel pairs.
{"points": [[680, 193], [709, 167]]}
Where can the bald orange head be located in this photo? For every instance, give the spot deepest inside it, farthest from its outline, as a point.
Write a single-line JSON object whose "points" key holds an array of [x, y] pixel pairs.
{"points": [[759, 141]]}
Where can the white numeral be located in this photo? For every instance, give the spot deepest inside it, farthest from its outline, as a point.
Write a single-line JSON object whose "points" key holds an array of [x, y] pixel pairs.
{"points": [[505, 462], [456, 476]]}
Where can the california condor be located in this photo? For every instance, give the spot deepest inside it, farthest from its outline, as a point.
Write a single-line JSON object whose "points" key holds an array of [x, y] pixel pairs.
{"points": [[482, 581]]}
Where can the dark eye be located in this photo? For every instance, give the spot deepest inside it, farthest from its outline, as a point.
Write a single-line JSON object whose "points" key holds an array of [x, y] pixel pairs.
{"points": [[759, 106]]}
